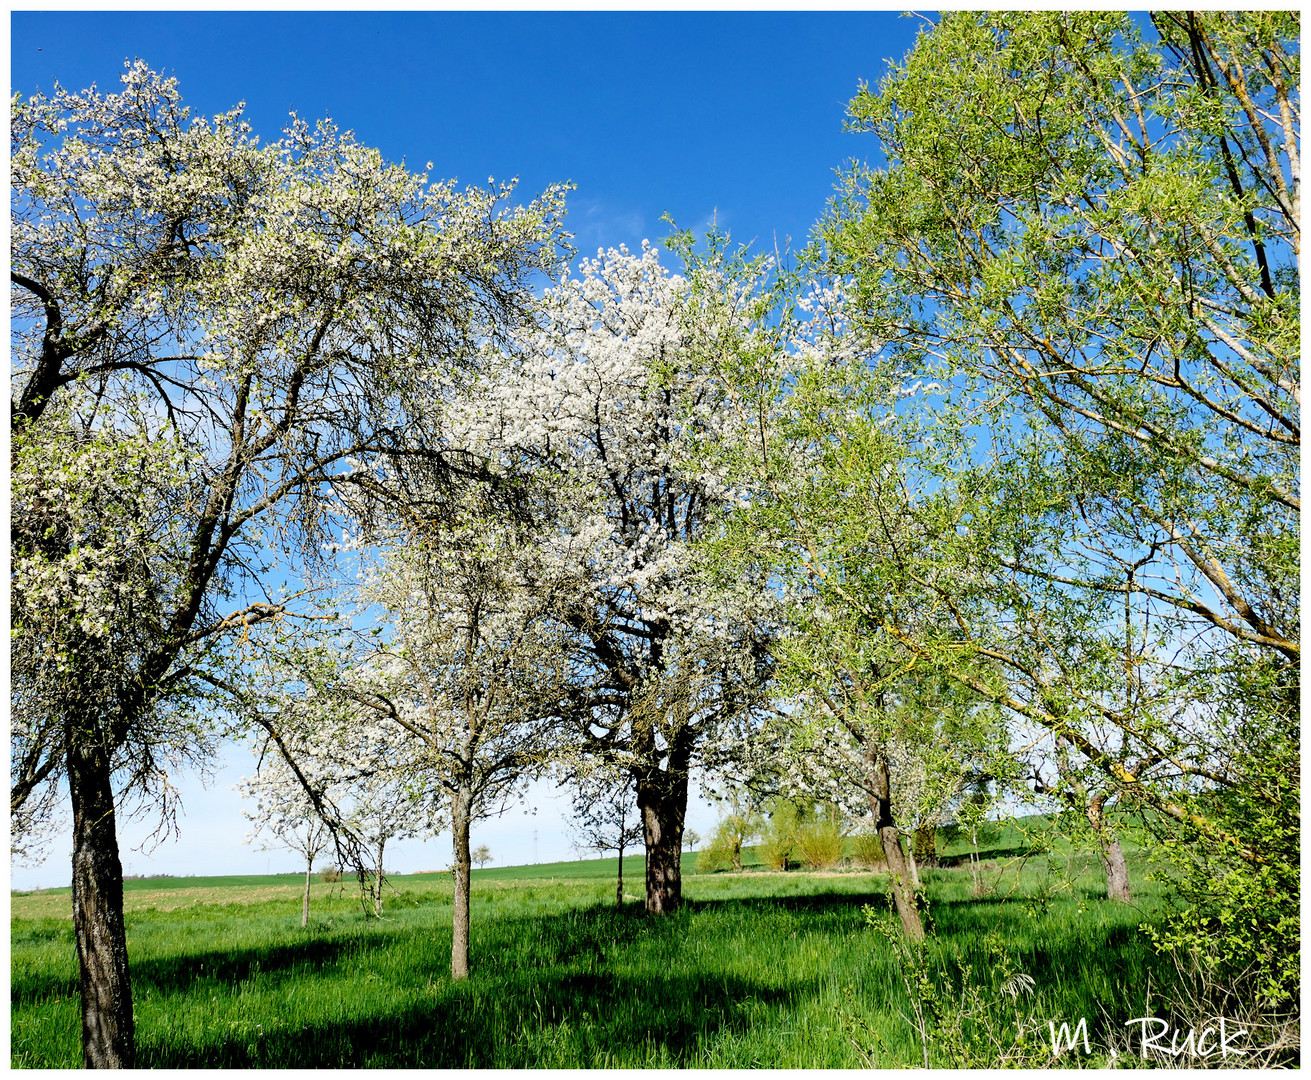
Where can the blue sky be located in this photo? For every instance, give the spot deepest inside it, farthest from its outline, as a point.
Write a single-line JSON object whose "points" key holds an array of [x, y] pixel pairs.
{"points": [[648, 113], [687, 113]]}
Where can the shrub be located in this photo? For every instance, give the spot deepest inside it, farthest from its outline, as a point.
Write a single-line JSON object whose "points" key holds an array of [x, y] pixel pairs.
{"points": [[715, 856], [819, 842], [330, 874], [779, 836], [869, 851]]}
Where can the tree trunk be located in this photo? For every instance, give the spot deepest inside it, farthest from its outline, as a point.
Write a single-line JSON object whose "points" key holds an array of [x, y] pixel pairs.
{"points": [[377, 880], [662, 802], [460, 821], [1117, 871], [619, 886], [914, 868], [737, 853], [889, 835], [108, 1029], [974, 861], [305, 904]]}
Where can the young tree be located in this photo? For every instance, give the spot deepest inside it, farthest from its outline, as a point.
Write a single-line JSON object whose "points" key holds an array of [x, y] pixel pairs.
{"points": [[740, 822], [283, 810], [384, 807], [471, 674], [1091, 237], [605, 817], [482, 855], [205, 331], [837, 497]]}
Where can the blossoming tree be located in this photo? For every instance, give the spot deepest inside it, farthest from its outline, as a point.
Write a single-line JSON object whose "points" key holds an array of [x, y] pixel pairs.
{"points": [[284, 812], [604, 407], [469, 674], [205, 328]]}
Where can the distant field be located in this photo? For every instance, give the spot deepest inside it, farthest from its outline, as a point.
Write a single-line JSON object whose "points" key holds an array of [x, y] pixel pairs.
{"points": [[771, 970]]}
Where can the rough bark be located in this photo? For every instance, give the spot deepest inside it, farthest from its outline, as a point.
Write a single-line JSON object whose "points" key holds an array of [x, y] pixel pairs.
{"points": [[1117, 871], [460, 862], [662, 802], [880, 799], [914, 868], [108, 1030]]}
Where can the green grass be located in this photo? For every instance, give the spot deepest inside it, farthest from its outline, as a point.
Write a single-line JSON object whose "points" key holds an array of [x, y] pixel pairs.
{"points": [[757, 970]]}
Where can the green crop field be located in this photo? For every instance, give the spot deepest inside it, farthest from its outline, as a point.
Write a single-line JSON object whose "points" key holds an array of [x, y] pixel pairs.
{"points": [[759, 969]]}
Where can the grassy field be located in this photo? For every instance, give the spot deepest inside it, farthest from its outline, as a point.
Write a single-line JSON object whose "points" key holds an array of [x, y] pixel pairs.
{"points": [[759, 969]]}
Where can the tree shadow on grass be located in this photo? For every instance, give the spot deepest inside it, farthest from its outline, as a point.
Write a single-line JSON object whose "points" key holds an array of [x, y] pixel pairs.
{"points": [[809, 902], [180, 972], [561, 1019]]}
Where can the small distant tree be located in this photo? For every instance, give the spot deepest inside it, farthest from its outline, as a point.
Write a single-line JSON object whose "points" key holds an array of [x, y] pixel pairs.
{"points": [[285, 814], [383, 808], [606, 817], [348, 784], [482, 855], [691, 838], [739, 823]]}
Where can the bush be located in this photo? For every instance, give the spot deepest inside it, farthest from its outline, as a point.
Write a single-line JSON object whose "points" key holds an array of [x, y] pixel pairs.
{"points": [[779, 836], [819, 842], [869, 851], [330, 874], [715, 856]]}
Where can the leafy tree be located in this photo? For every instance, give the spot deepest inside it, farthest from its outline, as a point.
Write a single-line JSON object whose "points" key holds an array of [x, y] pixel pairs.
{"points": [[1090, 240], [835, 496], [205, 331], [819, 838], [778, 834], [482, 855], [740, 819]]}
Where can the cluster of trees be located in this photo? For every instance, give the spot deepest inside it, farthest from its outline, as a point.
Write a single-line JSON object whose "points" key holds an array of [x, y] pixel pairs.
{"points": [[997, 490]]}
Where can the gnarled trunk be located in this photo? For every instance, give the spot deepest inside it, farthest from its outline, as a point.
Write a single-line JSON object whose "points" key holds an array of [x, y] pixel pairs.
{"points": [[903, 892], [108, 1030], [662, 802], [1117, 871], [460, 863]]}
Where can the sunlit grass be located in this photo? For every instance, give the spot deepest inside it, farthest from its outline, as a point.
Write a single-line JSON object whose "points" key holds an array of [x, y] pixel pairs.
{"points": [[754, 972]]}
